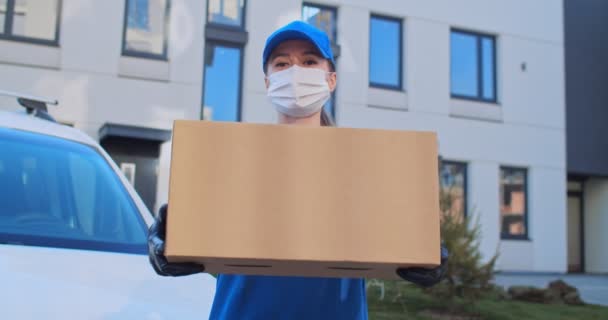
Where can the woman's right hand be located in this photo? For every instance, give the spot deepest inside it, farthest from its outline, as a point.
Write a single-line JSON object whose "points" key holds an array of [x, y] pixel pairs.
{"points": [[156, 250]]}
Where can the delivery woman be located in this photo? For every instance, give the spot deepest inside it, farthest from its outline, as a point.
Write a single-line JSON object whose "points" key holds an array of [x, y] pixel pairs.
{"points": [[300, 75]]}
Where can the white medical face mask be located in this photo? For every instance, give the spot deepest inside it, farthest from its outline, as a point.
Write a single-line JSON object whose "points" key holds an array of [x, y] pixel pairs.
{"points": [[298, 92]]}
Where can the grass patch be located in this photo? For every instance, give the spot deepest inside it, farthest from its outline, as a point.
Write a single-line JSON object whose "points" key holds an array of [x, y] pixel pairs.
{"points": [[405, 301]]}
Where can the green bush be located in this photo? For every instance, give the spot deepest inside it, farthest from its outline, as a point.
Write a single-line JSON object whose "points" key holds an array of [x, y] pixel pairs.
{"points": [[467, 275]]}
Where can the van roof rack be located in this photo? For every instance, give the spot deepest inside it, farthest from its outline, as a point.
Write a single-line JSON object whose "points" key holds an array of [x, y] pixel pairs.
{"points": [[33, 104]]}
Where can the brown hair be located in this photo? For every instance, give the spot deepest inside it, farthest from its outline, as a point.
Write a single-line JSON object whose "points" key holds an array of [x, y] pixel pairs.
{"points": [[326, 119]]}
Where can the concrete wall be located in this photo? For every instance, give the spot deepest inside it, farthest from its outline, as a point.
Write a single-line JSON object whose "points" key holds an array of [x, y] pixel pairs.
{"points": [[596, 224], [95, 84]]}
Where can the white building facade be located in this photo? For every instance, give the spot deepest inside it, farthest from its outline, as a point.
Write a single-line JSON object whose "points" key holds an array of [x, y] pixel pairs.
{"points": [[487, 76]]}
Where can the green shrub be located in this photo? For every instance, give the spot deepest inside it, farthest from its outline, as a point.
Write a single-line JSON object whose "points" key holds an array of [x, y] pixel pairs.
{"points": [[467, 275]]}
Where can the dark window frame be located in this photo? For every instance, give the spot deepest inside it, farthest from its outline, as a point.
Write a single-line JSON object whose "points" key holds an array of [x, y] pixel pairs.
{"points": [[241, 49], [147, 55], [399, 86], [479, 36], [465, 182], [581, 195], [227, 26], [8, 27], [526, 235]]}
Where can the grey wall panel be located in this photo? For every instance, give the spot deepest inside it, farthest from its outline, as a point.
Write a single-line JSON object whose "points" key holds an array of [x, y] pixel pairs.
{"points": [[586, 52]]}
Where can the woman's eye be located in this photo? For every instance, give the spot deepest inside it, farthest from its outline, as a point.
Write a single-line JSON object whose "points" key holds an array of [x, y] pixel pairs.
{"points": [[310, 62], [280, 65]]}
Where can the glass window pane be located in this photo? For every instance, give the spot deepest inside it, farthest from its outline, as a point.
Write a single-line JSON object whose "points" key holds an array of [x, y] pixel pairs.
{"points": [[385, 52], [453, 188], [464, 64], [322, 18], [2, 14], [513, 202], [228, 12], [487, 49], [59, 191], [575, 186], [146, 26], [35, 19], [222, 83]]}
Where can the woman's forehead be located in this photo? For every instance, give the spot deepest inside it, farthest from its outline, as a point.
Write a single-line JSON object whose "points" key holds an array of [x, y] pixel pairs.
{"points": [[290, 47]]}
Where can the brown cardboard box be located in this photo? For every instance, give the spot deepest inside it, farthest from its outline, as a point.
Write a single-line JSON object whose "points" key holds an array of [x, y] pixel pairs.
{"points": [[297, 200]]}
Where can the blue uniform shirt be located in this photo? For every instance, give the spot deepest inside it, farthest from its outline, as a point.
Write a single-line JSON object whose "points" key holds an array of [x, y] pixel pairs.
{"points": [[266, 297]]}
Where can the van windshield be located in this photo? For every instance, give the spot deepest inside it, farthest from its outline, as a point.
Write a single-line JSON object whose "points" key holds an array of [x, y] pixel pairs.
{"points": [[60, 193]]}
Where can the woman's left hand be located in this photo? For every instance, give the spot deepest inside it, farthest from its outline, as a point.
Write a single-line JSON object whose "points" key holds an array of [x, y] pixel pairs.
{"points": [[426, 277]]}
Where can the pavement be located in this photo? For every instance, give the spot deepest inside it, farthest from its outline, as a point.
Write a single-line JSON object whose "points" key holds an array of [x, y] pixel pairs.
{"points": [[593, 288]]}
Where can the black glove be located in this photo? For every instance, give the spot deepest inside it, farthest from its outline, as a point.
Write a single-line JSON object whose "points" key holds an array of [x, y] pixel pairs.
{"points": [[426, 277], [156, 250]]}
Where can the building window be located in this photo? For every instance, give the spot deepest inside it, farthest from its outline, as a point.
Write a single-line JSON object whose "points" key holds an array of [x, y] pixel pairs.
{"points": [[30, 21], [225, 39], [324, 18], [513, 203], [146, 29], [226, 12], [473, 66], [385, 52], [453, 188], [222, 82], [575, 185]]}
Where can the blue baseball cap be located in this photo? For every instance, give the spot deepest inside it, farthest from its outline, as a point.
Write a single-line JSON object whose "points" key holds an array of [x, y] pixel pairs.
{"points": [[299, 30]]}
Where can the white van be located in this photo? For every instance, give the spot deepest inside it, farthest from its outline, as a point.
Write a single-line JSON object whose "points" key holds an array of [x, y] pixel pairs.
{"points": [[73, 231]]}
